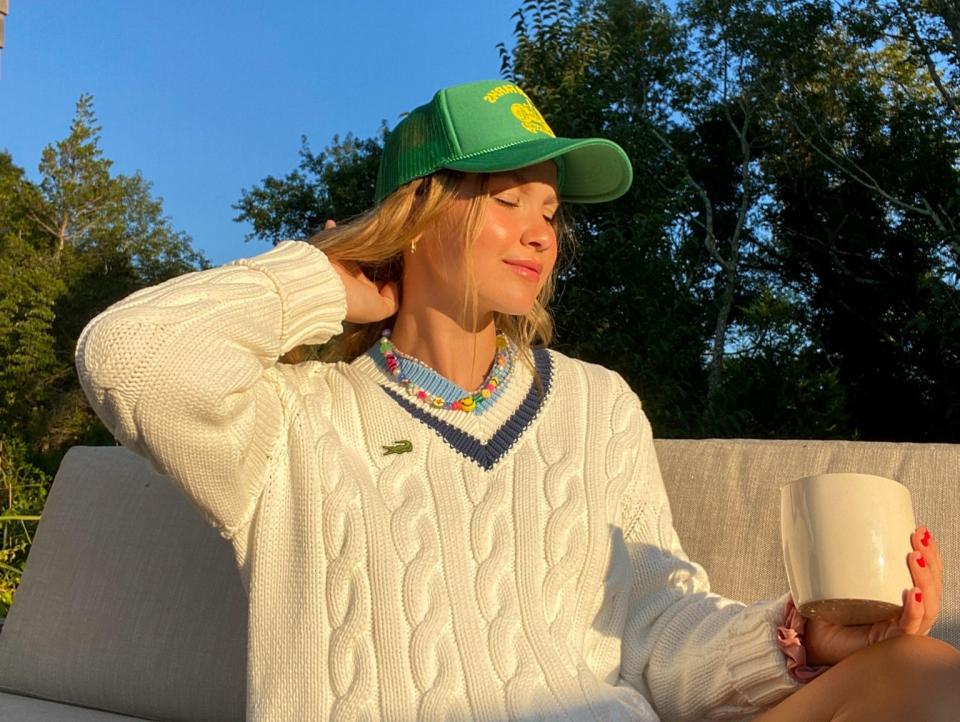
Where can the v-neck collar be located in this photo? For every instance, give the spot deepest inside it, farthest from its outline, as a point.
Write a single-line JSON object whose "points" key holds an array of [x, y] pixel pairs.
{"points": [[485, 453]]}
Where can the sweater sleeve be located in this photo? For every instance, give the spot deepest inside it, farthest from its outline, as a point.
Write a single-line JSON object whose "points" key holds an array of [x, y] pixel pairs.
{"points": [[692, 652], [185, 373]]}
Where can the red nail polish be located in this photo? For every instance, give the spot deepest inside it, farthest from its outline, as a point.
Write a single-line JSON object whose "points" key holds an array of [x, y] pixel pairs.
{"points": [[918, 596], [921, 562], [926, 538]]}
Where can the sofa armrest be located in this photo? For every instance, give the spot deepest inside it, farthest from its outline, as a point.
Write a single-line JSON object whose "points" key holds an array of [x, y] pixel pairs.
{"points": [[163, 608]]}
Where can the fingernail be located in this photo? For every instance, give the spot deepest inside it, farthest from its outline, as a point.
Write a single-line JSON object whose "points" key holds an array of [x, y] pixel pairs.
{"points": [[921, 562], [926, 538], [918, 596]]}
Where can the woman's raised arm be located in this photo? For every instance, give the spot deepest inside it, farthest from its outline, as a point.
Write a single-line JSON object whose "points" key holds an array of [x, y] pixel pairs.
{"points": [[185, 373]]}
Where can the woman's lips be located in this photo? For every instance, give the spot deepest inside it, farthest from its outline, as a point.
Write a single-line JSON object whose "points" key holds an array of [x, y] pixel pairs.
{"points": [[526, 269]]}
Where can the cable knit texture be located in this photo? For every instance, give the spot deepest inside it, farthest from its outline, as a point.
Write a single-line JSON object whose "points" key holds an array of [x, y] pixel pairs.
{"points": [[546, 582]]}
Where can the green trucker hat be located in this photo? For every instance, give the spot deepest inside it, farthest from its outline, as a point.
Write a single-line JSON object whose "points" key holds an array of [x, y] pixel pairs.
{"points": [[490, 126]]}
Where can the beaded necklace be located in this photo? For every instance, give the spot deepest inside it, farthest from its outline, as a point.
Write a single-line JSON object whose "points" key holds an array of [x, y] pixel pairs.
{"points": [[469, 403]]}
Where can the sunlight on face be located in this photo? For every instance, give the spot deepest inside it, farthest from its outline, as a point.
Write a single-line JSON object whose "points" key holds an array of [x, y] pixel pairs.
{"points": [[513, 254]]}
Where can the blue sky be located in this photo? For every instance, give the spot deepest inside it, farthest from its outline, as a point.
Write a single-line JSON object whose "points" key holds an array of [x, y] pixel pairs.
{"points": [[206, 97]]}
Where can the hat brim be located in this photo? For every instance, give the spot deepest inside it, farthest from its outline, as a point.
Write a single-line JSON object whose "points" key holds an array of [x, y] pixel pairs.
{"points": [[593, 170]]}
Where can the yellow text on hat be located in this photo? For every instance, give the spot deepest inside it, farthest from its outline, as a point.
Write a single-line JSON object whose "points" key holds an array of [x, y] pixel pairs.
{"points": [[509, 89]]}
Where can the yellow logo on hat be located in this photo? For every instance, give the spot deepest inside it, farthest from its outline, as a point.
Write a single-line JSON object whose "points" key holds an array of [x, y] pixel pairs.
{"points": [[530, 118], [525, 112]]}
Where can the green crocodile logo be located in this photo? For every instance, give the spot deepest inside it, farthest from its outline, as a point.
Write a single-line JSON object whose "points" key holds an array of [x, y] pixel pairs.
{"points": [[398, 447]]}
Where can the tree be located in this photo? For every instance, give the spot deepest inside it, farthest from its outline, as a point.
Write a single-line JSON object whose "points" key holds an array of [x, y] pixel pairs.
{"points": [[29, 289], [83, 207], [106, 236], [929, 28], [338, 183], [69, 246], [864, 169]]}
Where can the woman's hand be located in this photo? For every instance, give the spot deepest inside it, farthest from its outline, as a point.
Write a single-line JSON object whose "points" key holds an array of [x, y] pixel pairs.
{"points": [[827, 643], [366, 301]]}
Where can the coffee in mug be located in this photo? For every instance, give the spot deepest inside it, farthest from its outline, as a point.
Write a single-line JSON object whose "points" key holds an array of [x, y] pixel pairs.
{"points": [[846, 539]]}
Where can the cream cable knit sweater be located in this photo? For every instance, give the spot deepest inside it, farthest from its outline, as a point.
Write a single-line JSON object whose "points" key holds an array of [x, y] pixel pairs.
{"points": [[515, 565]]}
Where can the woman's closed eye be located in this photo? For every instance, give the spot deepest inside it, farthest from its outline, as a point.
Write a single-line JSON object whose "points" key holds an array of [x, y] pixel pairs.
{"points": [[507, 201]]}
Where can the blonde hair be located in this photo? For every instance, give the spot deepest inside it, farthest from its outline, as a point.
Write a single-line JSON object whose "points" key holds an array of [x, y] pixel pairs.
{"points": [[377, 239]]}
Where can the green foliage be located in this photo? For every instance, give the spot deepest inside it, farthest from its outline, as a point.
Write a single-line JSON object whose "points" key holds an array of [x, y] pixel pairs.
{"points": [[338, 183], [929, 29], [23, 491], [864, 175], [29, 289], [777, 385]]}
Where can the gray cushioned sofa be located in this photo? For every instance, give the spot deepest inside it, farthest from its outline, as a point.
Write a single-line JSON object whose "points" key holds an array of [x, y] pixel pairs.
{"points": [[131, 607]]}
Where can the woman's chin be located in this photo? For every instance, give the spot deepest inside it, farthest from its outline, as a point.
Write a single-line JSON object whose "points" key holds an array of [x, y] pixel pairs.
{"points": [[519, 308]]}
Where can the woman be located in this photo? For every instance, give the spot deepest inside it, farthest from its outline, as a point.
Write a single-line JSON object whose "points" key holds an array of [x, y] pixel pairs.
{"points": [[444, 520]]}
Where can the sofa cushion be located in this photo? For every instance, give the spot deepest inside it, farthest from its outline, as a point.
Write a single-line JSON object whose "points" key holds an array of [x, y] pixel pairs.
{"points": [[725, 496], [129, 602], [15, 708]]}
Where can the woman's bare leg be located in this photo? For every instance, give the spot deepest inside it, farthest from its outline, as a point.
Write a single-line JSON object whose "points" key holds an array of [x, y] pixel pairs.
{"points": [[905, 678]]}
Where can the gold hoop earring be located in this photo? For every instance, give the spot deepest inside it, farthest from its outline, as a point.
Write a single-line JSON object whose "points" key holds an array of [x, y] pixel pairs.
{"points": [[413, 246]]}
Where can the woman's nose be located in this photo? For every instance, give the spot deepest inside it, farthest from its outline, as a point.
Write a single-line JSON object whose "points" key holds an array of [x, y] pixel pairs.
{"points": [[541, 235]]}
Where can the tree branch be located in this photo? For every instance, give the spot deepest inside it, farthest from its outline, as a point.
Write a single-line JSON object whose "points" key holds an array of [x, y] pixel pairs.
{"points": [[710, 239], [855, 172], [922, 48]]}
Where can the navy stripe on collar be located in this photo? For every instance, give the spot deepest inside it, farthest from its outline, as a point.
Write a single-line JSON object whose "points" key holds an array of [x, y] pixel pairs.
{"points": [[486, 455]]}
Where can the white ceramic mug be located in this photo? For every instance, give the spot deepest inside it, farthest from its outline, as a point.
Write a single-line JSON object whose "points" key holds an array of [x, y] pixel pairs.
{"points": [[846, 539]]}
